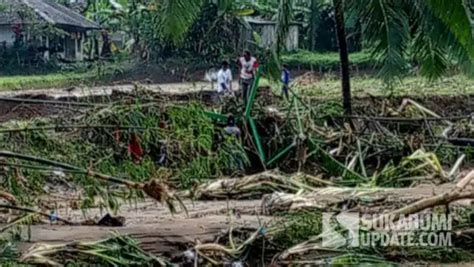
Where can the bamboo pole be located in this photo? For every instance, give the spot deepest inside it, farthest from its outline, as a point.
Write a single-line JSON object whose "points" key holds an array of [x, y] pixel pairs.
{"points": [[81, 126], [153, 188], [51, 102], [443, 199], [129, 184], [30, 210]]}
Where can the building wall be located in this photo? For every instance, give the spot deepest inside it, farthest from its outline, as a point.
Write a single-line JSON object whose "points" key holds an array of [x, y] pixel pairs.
{"points": [[292, 41], [268, 34], [6, 35], [66, 47]]}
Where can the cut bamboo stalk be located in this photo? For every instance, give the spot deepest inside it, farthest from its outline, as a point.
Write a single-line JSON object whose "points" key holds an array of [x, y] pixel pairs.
{"points": [[149, 188], [30, 210], [51, 102], [82, 126], [443, 199]]}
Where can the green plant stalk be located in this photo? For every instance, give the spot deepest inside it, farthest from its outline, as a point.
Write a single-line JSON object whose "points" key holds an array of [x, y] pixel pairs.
{"points": [[82, 126], [253, 94], [66, 166], [257, 139], [53, 102], [281, 154], [30, 210]]}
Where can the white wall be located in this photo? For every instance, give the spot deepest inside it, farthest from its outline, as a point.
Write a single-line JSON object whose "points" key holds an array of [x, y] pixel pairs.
{"points": [[292, 41], [269, 36], [6, 34]]}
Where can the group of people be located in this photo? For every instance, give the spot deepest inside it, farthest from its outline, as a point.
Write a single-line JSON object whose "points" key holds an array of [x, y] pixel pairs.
{"points": [[248, 66]]}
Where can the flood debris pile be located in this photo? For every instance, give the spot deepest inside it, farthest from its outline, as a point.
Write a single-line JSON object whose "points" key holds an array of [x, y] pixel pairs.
{"points": [[400, 159], [301, 234], [301, 158], [129, 144]]}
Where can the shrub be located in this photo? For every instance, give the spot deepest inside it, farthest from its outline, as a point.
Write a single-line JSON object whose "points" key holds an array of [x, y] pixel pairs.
{"points": [[326, 61]]}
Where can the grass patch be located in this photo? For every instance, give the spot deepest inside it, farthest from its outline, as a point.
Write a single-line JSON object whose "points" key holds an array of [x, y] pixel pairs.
{"points": [[298, 227], [330, 86], [326, 61], [68, 75], [45, 81]]}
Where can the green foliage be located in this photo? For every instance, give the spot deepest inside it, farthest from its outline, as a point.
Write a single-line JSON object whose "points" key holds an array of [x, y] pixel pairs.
{"points": [[298, 227], [177, 17], [55, 75], [439, 34], [350, 259], [209, 40], [317, 27], [116, 251], [184, 135], [8, 253], [284, 19], [329, 86], [326, 61]]}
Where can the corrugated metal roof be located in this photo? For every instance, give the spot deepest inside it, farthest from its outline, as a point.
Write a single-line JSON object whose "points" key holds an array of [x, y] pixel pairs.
{"points": [[48, 11]]}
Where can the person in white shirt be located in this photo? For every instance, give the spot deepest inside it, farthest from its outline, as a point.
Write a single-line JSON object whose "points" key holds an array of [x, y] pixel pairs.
{"points": [[248, 68], [224, 79]]}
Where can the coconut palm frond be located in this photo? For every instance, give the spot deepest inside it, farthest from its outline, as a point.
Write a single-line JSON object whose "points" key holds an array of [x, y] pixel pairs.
{"points": [[177, 16], [440, 32], [454, 14], [386, 28], [435, 45]]}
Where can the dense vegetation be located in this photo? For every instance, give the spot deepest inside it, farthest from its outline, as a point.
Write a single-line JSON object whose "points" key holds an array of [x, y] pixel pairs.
{"points": [[307, 60]]}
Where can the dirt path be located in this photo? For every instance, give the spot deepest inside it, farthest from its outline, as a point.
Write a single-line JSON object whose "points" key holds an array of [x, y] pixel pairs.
{"points": [[79, 91]]}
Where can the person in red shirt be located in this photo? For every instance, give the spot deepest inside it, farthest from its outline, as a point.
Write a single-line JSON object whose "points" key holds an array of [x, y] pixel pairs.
{"points": [[135, 148], [248, 69]]}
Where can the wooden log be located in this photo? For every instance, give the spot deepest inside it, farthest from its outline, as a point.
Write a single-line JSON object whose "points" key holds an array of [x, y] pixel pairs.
{"points": [[153, 226]]}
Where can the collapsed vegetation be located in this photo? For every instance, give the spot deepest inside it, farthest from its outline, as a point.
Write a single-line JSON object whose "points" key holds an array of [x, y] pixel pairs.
{"points": [[129, 146]]}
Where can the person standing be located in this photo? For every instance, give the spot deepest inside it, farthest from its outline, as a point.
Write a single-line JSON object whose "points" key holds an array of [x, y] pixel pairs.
{"points": [[135, 149], [232, 128], [285, 79], [224, 80], [248, 69]]}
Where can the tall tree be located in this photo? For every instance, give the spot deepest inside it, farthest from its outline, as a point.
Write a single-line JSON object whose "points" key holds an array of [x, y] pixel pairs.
{"points": [[433, 33], [344, 55]]}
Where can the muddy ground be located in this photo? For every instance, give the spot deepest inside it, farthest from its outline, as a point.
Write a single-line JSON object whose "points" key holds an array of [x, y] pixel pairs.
{"points": [[51, 102], [158, 231]]}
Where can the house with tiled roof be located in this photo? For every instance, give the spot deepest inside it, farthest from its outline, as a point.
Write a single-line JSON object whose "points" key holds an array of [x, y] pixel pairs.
{"points": [[18, 17]]}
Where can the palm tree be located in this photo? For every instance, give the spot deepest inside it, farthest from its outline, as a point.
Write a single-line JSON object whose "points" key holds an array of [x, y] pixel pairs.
{"points": [[344, 55], [433, 33]]}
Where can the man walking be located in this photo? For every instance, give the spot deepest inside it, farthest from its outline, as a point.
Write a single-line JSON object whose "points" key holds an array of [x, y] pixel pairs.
{"points": [[224, 80], [248, 69], [285, 79]]}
